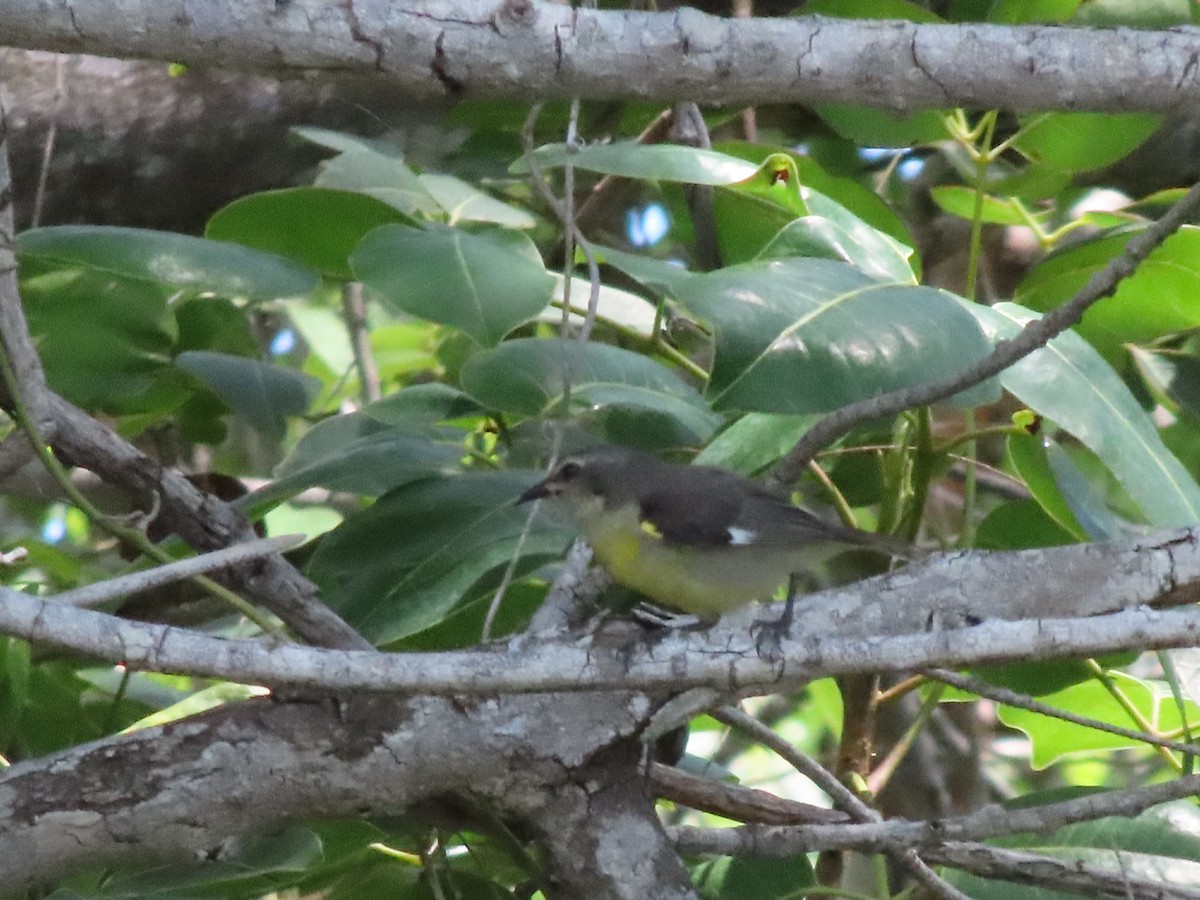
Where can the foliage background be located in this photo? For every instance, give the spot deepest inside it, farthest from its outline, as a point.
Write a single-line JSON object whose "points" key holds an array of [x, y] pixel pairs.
{"points": [[397, 442]]}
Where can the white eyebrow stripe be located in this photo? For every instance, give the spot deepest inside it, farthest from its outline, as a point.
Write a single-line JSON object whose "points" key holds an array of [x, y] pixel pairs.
{"points": [[741, 537]]}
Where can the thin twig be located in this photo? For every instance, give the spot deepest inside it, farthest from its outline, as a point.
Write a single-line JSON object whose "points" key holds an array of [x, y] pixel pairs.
{"points": [[136, 582], [975, 685], [355, 313], [735, 801], [843, 798], [1036, 334], [39, 197]]}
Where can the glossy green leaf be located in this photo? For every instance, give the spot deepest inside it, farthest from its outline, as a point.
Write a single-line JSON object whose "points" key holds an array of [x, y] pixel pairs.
{"points": [[1158, 299], [617, 307], [1020, 525], [754, 878], [871, 9], [960, 201], [344, 142], [1027, 453], [406, 562], [1174, 377], [193, 704], [810, 335], [872, 127], [1022, 12], [659, 275], [1161, 844], [659, 162], [829, 195], [177, 261], [1067, 381], [463, 203], [358, 454], [1054, 739], [320, 227], [485, 283], [527, 377], [754, 441], [263, 394], [383, 176], [1134, 13], [1086, 497], [421, 404], [1081, 141], [255, 865], [130, 335], [871, 252]]}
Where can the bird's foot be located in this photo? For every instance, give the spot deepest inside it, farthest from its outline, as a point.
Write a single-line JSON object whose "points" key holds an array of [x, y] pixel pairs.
{"points": [[769, 633]]}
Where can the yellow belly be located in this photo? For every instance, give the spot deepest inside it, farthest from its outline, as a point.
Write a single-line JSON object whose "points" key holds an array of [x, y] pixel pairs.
{"points": [[705, 582]]}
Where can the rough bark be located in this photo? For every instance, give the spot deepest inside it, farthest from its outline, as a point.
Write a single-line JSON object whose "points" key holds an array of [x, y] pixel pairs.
{"points": [[523, 48]]}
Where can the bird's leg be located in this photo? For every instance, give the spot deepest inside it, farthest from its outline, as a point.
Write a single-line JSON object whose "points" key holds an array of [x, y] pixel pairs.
{"points": [[772, 632], [657, 617]]}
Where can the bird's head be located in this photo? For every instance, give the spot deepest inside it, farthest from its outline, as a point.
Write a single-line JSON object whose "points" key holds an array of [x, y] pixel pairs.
{"points": [[592, 480]]}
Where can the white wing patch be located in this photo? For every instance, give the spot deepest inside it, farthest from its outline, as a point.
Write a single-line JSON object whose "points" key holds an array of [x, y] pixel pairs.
{"points": [[741, 537]]}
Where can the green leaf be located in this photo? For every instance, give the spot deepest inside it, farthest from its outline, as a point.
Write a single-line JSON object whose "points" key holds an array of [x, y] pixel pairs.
{"points": [[1135, 13], [659, 162], [256, 865], [1020, 525], [130, 336], [406, 562], [383, 176], [1067, 381], [358, 454], [755, 878], [872, 9], [754, 441], [175, 261], [658, 275], [872, 252], [1080, 141], [960, 201], [1161, 844], [829, 195], [1054, 739], [1085, 496], [784, 327], [1156, 300], [320, 227], [463, 203], [613, 305], [264, 395], [344, 142], [1021, 12], [528, 376], [872, 127], [1174, 377], [201, 701], [1027, 453], [485, 283], [422, 404]]}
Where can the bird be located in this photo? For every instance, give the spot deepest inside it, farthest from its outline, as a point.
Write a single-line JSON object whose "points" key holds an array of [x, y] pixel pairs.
{"points": [[699, 539]]}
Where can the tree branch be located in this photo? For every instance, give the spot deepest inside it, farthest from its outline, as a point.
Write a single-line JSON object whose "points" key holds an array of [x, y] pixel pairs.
{"points": [[882, 624], [523, 48], [189, 789]]}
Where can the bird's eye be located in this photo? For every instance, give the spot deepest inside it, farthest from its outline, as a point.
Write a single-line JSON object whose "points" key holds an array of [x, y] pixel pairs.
{"points": [[569, 471]]}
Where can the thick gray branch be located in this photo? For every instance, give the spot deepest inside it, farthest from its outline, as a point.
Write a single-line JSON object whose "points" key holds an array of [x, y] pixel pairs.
{"points": [[522, 48], [188, 790], [965, 609]]}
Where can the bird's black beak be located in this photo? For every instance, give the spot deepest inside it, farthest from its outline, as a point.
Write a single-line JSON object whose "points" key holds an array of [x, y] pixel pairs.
{"points": [[539, 491]]}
